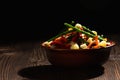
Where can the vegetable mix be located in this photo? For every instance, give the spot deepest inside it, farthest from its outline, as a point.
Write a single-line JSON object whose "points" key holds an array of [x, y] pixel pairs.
{"points": [[77, 36]]}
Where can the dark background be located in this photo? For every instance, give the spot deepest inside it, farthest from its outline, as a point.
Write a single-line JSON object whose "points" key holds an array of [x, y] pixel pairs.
{"points": [[31, 21]]}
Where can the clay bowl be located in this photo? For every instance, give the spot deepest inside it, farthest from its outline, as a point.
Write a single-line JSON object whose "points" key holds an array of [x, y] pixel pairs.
{"points": [[78, 58]]}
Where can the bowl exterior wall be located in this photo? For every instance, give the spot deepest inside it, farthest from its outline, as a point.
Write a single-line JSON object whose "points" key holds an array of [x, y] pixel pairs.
{"points": [[78, 57]]}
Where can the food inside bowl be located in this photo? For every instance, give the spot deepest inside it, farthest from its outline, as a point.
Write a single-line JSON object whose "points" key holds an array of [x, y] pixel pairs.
{"points": [[77, 36]]}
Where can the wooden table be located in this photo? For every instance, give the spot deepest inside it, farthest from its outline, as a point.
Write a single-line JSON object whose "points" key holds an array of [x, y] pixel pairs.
{"points": [[28, 61]]}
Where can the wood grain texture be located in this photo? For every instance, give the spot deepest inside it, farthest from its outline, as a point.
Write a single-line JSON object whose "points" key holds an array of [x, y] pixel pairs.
{"points": [[26, 61]]}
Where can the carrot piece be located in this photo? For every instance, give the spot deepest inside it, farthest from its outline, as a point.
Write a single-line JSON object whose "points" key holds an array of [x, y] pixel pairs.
{"points": [[96, 42], [90, 44]]}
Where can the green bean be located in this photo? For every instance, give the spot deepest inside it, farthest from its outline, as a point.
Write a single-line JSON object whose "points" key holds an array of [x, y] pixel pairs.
{"points": [[87, 29], [62, 33], [82, 31]]}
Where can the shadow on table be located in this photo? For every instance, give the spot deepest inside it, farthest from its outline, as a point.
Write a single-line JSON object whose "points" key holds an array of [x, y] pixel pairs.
{"points": [[49, 72]]}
